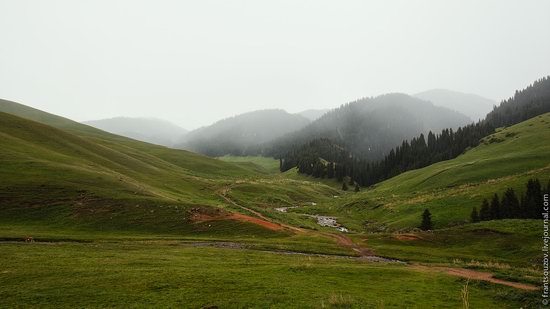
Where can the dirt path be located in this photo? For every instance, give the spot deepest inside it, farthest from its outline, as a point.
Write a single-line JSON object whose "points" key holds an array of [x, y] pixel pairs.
{"points": [[473, 275], [346, 242], [365, 253], [262, 219], [340, 239]]}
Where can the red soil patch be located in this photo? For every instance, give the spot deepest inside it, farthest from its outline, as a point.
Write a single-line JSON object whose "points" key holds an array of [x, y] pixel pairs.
{"points": [[474, 275], [268, 225]]}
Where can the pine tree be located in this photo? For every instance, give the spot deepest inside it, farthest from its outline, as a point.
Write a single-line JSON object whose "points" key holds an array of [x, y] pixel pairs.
{"points": [[510, 207], [485, 211], [532, 201], [357, 189], [474, 216], [426, 220], [344, 186], [495, 207]]}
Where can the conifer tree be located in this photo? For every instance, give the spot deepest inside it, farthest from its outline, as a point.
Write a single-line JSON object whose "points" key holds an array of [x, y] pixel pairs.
{"points": [[495, 207], [357, 189], [426, 220], [532, 200], [474, 216], [344, 186], [510, 207], [485, 211]]}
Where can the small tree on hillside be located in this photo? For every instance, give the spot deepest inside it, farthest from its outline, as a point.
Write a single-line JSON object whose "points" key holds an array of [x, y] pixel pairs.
{"points": [[426, 220], [474, 216], [510, 204], [485, 211], [344, 186], [357, 189], [495, 207]]}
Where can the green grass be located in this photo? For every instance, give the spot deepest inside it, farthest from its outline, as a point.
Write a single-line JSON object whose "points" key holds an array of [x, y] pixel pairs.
{"points": [[169, 274], [512, 242], [269, 165], [110, 216], [450, 189]]}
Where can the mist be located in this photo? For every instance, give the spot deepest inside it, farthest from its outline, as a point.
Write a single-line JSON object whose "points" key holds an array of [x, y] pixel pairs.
{"points": [[195, 62]]}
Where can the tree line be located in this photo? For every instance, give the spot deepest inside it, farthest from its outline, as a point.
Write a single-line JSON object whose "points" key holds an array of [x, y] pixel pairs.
{"points": [[324, 158], [528, 206]]}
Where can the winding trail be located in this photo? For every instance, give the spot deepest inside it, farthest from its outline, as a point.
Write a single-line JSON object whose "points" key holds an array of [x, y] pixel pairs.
{"points": [[263, 219], [365, 253]]}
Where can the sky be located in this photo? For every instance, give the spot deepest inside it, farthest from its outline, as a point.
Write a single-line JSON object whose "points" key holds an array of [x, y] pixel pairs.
{"points": [[195, 62]]}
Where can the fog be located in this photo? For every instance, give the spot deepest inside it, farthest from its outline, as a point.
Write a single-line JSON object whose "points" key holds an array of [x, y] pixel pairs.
{"points": [[194, 62]]}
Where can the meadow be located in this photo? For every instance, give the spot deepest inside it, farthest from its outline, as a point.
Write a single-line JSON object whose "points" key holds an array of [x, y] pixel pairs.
{"points": [[122, 223]]}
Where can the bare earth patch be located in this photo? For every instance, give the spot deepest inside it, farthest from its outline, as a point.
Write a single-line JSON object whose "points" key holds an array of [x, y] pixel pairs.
{"points": [[474, 275]]}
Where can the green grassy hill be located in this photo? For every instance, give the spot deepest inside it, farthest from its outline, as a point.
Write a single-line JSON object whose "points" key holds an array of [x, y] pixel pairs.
{"points": [[52, 177], [57, 172], [190, 161], [60, 174], [450, 189]]}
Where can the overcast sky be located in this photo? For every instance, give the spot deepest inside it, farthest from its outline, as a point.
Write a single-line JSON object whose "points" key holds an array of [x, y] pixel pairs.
{"points": [[194, 62]]}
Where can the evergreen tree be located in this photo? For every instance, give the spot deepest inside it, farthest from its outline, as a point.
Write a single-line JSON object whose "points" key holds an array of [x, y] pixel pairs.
{"points": [[474, 216], [532, 200], [510, 207], [426, 220], [344, 186], [357, 189], [495, 207], [485, 211]]}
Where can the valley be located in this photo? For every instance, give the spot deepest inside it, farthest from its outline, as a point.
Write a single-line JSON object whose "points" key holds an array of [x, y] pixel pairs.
{"points": [[137, 224]]}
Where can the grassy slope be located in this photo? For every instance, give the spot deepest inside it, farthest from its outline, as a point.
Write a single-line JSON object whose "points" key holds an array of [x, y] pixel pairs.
{"points": [[78, 178], [54, 177], [192, 162], [450, 189], [168, 274], [269, 165], [131, 199]]}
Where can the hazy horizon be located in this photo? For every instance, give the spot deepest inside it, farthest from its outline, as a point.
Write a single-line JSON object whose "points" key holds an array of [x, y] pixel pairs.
{"points": [[193, 63]]}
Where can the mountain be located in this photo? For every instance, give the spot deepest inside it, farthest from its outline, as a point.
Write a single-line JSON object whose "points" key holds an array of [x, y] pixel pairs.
{"points": [[372, 126], [242, 134], [313, 114], [57, 172], [505, 159], [151, 130], [471, 105]]}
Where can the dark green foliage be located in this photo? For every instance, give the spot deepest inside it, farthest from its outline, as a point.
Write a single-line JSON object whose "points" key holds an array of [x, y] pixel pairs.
{"points": [[371, 127], [510, 207], [528, 207], [417, 152], [485, 211], [426, 220], [474, 216], [525, 104], [495, 207], [344, 186], [357, 189], [532, 201]]}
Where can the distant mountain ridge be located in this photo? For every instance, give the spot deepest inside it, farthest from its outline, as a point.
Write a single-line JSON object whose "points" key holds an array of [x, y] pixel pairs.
{"points": [[150, 130], [313, 114], [472, 105], [373, 126], [241, 134]]}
